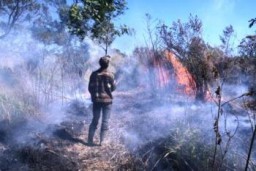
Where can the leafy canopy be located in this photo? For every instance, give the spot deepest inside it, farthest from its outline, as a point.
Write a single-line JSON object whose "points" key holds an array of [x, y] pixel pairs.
{"points": [[95, 18]]}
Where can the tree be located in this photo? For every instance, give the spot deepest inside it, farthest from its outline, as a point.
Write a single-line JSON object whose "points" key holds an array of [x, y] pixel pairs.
{"points": [[14, 11], [186, 40], [247, 47], [179, 36], [94, 18], [226, 39]]}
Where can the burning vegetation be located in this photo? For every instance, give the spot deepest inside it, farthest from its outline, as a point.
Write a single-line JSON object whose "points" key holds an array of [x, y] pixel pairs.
{"points": [[183, 78]]}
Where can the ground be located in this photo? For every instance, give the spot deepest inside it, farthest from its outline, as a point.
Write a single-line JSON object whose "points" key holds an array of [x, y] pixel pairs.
{"points": [[63, 146], [147, 132]]}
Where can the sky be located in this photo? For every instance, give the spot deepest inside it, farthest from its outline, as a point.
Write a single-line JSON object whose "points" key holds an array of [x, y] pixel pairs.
{"points": [[214, 14]]}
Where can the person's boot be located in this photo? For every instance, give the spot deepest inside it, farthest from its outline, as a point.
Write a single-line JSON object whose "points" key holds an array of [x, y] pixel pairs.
{"points": [[90, 136], [102, 137]]}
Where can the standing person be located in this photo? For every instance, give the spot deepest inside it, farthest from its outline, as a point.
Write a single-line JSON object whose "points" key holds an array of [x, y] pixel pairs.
{"points": [[101, 86]]}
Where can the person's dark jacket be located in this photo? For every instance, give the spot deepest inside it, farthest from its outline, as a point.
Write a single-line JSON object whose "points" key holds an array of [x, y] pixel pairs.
{"points": [[101, 86]]}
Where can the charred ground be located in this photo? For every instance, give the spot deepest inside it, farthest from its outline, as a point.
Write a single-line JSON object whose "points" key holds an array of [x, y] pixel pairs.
{"points": [[145, 134]]}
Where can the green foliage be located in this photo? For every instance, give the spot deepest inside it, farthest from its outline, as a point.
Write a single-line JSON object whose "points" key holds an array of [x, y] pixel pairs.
{"points": [[95, 18], [76, 21]]}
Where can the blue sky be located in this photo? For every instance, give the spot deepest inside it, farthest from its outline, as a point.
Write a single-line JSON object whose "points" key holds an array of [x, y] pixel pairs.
{"points": [[215, 15]]}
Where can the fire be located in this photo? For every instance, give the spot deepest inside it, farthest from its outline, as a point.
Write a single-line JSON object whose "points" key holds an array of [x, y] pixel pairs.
{"points": [[183, 77], [162, 73]]}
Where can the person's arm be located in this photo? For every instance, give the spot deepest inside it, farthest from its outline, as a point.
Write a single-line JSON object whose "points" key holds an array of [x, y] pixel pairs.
{"points": [[112, 82], [91, 84], [113, 86]]}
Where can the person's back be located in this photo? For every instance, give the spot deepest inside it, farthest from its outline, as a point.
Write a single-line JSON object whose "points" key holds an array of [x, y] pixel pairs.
{"points": [[101, 85]]}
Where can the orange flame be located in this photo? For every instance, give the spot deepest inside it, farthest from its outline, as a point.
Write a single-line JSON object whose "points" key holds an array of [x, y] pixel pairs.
{"points": [[183, 77], [162, 73]]}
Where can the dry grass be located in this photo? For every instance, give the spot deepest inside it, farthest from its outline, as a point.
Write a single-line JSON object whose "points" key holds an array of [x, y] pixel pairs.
{"points": [[140, 138]]}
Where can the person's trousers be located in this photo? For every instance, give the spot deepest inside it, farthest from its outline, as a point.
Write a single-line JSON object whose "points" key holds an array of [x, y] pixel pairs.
{"points": [[98, 108]]}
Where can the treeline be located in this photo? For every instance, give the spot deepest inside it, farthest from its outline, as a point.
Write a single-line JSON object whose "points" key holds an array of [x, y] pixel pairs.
{"points": [[207, 64]]}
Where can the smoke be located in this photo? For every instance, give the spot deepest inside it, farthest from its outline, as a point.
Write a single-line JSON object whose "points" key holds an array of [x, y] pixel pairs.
{"points": [[150, 114], [14, 49], [163, 120], [39, 81]]}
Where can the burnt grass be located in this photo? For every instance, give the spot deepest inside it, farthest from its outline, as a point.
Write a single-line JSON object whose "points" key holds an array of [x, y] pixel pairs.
{"points": [[45, 154], [64, 146]]}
